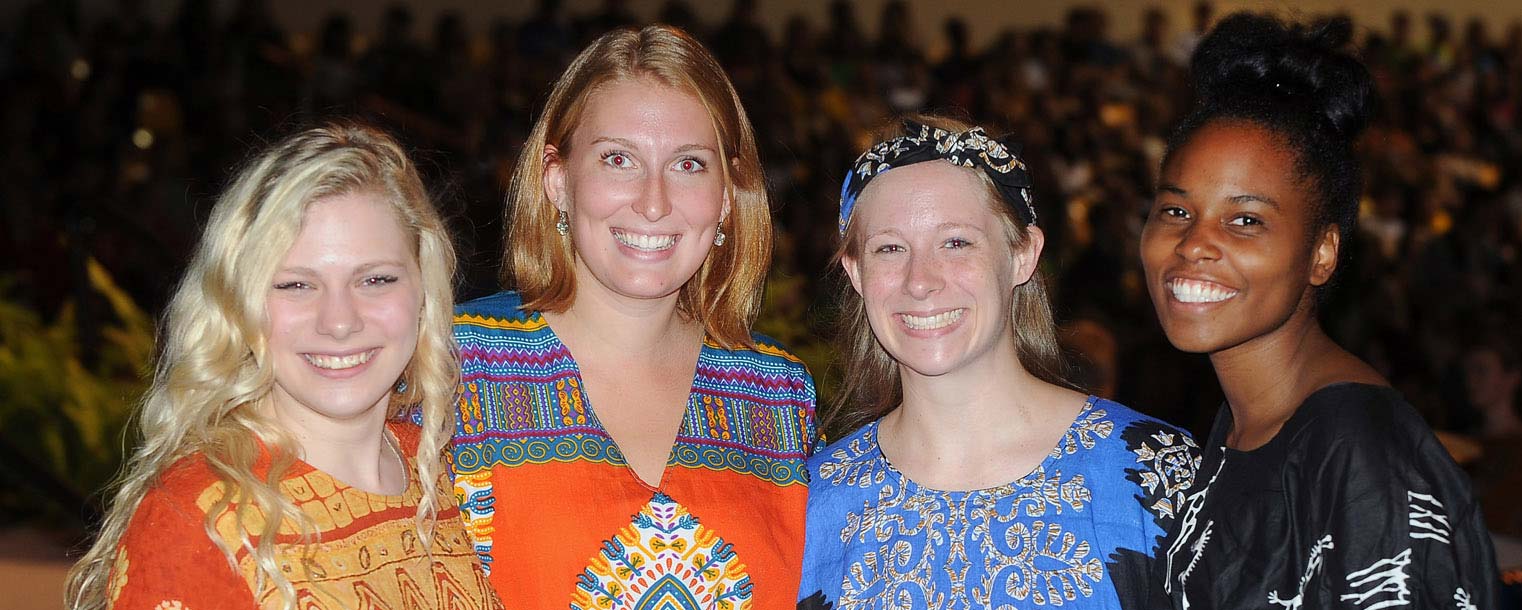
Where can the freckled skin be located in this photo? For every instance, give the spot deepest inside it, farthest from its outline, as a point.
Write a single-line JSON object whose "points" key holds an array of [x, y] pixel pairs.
{"points": [[932, 245]]}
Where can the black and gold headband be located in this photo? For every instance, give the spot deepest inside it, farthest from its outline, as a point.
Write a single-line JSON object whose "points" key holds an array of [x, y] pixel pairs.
{"points": [[998, 158]]}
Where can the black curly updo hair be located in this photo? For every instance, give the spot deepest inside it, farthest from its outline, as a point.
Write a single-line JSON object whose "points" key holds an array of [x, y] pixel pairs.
{"points": [[1297, 82]]}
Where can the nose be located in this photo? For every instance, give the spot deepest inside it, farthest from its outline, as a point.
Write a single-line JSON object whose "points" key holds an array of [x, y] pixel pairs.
{"points": [[1198, 243], [338, 315], [923, 276], [655, 202]]}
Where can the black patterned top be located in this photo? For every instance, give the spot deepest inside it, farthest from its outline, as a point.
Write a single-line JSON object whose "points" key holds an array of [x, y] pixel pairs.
{"points": [[1353, 505]]}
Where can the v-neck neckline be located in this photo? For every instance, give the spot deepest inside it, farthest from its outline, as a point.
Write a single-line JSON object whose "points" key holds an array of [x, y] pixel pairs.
{"points": [[617, 452]]}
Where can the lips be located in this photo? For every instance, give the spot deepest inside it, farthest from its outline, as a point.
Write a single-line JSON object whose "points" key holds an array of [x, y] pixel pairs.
{"points": [[1199, 291], [932, 322], [643, 242], [339, 363]]}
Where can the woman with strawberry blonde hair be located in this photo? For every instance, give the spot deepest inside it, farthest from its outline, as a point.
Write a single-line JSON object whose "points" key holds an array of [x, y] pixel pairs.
{"points": [[624, 438]]}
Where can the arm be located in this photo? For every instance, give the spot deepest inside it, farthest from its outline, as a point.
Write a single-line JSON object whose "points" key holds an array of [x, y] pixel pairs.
{"points": [[1400, 529], [166, 561]]}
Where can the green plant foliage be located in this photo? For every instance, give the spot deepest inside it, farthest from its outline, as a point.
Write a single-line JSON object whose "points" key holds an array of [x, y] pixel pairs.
{"points": [[65, 414]]}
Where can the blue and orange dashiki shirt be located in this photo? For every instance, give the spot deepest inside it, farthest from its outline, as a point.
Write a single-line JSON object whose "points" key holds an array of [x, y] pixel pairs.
{"points": [[559, 519], [1079, 531]]}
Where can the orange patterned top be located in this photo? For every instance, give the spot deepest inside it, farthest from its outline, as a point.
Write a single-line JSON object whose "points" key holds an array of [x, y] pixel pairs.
{"points": [[367, 554]]}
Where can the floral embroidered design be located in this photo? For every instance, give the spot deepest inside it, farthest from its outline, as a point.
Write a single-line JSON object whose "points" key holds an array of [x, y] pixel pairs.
{"points": [[1166, 461], [664, 560], [477, 507], [1012, 555]]}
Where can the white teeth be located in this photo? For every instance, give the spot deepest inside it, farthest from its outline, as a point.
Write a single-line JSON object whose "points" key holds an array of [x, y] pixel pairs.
{"points": [[1195, 291], [338, 363], [940, 320], [648, 243]]}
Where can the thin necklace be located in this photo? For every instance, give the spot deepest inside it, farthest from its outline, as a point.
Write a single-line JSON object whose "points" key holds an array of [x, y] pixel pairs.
{"points": [[401, 461]]}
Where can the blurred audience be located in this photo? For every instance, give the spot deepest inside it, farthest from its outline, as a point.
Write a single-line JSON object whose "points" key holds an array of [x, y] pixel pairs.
{"points": [[115, 134]]}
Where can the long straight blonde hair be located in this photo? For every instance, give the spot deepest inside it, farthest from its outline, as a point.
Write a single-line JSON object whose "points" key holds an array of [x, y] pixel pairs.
{"points": [[213, 378]]}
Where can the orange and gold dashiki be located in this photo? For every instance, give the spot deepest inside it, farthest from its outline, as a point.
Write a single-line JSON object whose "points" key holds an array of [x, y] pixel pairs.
{"points": [[367, 553], [560, 519]]}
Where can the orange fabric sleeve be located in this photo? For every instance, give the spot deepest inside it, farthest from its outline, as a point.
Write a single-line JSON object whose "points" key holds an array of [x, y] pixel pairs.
{"points": [[165, 560]]}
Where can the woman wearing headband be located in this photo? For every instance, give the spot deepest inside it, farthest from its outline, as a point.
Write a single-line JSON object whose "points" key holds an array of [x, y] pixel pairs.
{"points": [[625, 441], [1321, 487], [970, 474]]}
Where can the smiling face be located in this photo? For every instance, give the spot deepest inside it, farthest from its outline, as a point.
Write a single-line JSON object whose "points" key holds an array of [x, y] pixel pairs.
{"points": [[1228, 248], [644, 188], [343, 312], [936, 268]]}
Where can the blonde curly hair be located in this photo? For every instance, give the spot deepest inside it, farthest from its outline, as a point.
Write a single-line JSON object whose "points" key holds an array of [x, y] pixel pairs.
{"points": [[213, 379]]}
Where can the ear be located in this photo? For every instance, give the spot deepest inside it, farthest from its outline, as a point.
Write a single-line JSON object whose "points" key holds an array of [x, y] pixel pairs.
{"points": [[729, 189], [1324, 255], [1028, 257], [554, 178], [853, 271]]}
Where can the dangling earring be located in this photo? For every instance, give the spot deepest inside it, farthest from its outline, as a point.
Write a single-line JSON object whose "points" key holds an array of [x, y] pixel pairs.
{"points": [[718, 236], [563, 224]]}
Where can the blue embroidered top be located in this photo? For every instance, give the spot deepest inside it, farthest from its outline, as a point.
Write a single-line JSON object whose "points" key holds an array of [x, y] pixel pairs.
{"points": [[1078, 531]]}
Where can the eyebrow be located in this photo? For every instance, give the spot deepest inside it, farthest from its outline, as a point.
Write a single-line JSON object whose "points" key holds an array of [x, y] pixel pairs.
{"points": [[357, 270], [630, 144], [1249, 198], [1237, 199]]}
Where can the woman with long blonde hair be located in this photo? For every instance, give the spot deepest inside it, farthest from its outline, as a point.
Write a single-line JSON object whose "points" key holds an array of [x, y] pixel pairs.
{"points": [[624, 439], [272, 471]]}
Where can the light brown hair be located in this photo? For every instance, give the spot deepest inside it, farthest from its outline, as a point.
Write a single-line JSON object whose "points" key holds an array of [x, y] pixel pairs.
{"points": [[725, 293], [871, 385]]}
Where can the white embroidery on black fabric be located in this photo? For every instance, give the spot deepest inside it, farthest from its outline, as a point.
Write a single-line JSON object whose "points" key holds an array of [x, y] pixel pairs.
{"points": [[1293, 603], [1385, 577], [1462, 597], [1187, 525], [1427, 519]]}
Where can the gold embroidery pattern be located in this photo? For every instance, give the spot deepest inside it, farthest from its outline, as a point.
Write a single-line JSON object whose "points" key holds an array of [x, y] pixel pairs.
{"points": [[923, 536], [367, 552], [118, 578]]}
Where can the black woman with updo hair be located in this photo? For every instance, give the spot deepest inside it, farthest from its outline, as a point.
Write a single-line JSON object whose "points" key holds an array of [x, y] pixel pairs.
{"points": [[1320, 487]]}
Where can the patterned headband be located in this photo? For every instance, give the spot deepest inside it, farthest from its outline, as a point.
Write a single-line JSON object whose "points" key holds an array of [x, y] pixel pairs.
{"points": [[971, 148]]}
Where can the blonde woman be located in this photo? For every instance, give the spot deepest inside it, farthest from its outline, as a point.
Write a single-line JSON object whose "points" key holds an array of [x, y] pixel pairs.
{"points": [[624, 438], [272, 472], [968, 473]]}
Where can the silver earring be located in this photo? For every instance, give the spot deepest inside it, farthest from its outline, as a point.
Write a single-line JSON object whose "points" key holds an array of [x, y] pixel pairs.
{"points": [[719, 237], [563, 224]]}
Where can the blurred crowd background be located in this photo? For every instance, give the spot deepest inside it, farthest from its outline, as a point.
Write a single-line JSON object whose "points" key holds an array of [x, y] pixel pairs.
{"points": [[118, 132]]}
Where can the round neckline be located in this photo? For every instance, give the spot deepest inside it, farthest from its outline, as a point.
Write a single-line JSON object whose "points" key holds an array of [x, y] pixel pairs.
{"points": [[1294, 423], [411, 493], [1053, 454]]}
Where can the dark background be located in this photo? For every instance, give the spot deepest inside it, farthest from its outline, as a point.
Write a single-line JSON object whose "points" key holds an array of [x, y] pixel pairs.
{"points": [[119, 129]]}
